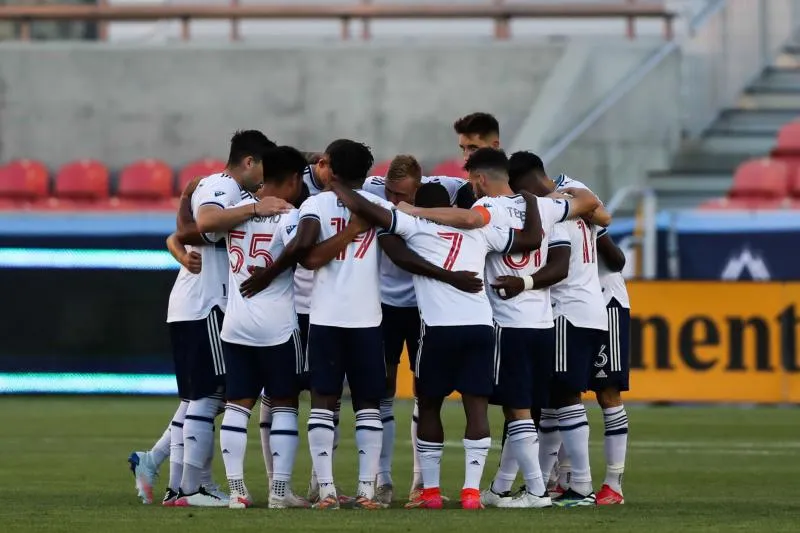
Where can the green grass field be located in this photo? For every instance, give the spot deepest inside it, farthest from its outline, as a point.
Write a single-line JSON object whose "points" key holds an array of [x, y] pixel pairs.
{"points": [[689, 469]]}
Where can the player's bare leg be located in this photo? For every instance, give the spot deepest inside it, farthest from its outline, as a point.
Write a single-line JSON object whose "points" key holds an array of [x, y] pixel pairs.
{"points": [[573, 425], [476, 447], [522, 446], [615, 445], [429, 445]]}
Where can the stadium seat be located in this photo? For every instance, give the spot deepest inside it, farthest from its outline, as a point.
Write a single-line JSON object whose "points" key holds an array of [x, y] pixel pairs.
{"points": [[202, 167], [84, 181], [24, 180], [146, 184], [760, 178], [380, 169], [788, 139], [453, 168]]}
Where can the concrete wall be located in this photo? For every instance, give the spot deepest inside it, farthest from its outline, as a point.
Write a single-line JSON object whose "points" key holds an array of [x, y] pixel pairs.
{"points": [[62, 101]]}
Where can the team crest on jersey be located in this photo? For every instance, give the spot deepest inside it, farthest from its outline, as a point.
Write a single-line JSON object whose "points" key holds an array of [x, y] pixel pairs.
{"points": [[219, 193], [290, 229]]}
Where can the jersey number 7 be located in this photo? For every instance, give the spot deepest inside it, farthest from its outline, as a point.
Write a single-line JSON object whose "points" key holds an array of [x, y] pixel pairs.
{"points": [[365, 239], [455, 247], [258, 244]]}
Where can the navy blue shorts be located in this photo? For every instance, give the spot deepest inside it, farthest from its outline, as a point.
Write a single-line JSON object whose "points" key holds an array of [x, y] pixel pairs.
{"points": [[197, 353], [612, 365], [275, 369], [456, 358], [302, 323], [576, 349], [526, 367], [401, 325], [356, 353]]}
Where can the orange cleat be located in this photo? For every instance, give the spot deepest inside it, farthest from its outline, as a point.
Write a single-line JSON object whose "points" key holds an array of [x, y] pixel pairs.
{"points": [[608, 496], [471, 499], [428, 499]]}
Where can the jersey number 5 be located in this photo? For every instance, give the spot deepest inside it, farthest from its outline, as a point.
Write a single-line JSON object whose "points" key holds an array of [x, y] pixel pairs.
{"points": [[455, 247], [258, 248]]}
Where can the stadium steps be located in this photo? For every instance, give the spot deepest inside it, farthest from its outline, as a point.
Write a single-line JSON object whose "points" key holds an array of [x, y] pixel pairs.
{"points": [[703, 168]]}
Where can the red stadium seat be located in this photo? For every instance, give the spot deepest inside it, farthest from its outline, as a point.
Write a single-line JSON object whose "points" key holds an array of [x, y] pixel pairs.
{"points": [[760, 178], [85, 181], [453, 168], [380, 169], [202, 167], [24, 180], [147, 180], [789, 138]]}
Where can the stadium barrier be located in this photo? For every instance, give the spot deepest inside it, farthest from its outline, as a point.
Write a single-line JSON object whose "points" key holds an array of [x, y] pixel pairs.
{"points": [[708, 342]]}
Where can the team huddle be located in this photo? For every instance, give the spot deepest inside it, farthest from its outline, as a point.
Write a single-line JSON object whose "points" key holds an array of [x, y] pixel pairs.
{"points": [[302, 272]]}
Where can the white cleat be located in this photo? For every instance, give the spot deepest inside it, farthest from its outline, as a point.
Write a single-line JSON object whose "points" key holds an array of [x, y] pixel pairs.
{"points": [[384, 494], [490, 498], [239, 500], [526, 501], [289, 501], [201, 498], [145, 472], [214, 490]]}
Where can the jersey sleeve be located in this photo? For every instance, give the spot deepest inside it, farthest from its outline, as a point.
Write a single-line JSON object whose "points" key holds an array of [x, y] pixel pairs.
{"points": [[498, 239], [487, 210], [287, 229], [309, 209], [222, 193], [402, 224], [553, 211], [559, 237], [601, 232], [375, 185]]}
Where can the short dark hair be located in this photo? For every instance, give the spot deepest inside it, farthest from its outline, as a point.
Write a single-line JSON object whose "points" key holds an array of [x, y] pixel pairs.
{"points": [[350, 161], [522, 163], [487, 159], [432, 195], [248, 143], [282, 163], [481, 124]]}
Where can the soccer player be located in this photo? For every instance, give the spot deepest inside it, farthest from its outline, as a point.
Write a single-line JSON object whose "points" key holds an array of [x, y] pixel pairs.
{"points": [[457, 347], [475, 131], [611, 371], [197, 304], [581, 330], [401, 323]]}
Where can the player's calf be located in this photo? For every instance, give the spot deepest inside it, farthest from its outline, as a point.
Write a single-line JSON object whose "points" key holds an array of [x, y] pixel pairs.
{"points": [[615, 444]]}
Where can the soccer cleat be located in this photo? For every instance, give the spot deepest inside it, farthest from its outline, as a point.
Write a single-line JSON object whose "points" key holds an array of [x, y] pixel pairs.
{"points": [[490, 498], [570, 498], [427, 499], [330, 502], [214, 490], [526, 501], [201, 498], [239, 500], [415, 493], [608, 496], [384, 494], [289, 501], [362, 502], [471, 499], [343, 499], [556, 491], [169, 498], [145, 472]]}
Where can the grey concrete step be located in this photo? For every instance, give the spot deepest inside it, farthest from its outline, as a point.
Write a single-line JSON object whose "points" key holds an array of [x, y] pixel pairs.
{"points": [[677, 183], [696, 160], [769, 100], [750, 144], [763, 121], [778, 80]]}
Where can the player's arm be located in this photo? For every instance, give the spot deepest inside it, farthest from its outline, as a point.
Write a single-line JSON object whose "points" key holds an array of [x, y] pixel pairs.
{"points": [[410, 261], [610, 253], [372, 213], [584, 203], [530, 236], [324, 252], [191, 260], [214, 218], [556, 269], [474, 218], [308, 230]]}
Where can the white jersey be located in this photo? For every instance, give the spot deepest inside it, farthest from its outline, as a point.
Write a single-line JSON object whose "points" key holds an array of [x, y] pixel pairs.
{"points": [[194, 295], [268, 318], [612, 283], [346, 291], [579, 297], [304, 278], [397, 285], [530, 309], [439, 303]]}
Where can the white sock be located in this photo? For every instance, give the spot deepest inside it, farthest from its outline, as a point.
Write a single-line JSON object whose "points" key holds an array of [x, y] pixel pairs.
{"points": [[369, 436], [160, 450], [523, 444], [430, 462], [417, 479], [264, 424], [284, 440], [574, 427], [616, 445], [198, 441], [475, 455], [507, 473], [563, 469], [320, 443], [207, 472], [387, 446], [549, 440], [176, 446], [233, 441]]}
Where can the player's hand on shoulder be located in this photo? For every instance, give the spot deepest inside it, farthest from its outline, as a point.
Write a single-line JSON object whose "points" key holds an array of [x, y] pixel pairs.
{"points": [[358, 223], [270, 205], [193, 262], [508, 287], [191, 186], [466, 281], [407, 208], [258, 281]]}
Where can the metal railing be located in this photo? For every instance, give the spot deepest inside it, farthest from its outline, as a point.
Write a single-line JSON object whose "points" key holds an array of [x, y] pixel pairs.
{"points": [[498, 11]]}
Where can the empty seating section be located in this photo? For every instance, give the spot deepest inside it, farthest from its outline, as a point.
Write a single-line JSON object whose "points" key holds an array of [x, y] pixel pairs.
{"points": [[202, 167], [770, 182], [23, 182]]}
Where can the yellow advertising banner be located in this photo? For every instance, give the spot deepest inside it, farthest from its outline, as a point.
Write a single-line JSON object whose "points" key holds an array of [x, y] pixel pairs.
{"points": [[708, 342]]}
